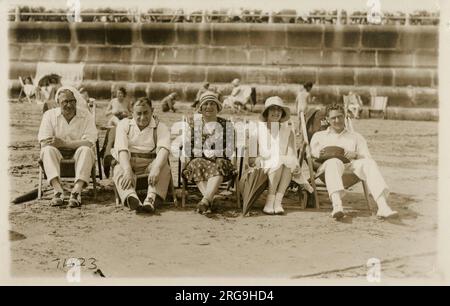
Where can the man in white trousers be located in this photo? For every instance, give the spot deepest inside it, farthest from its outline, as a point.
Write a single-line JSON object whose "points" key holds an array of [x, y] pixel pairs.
{"points": [[360, 163], [67, 132]]}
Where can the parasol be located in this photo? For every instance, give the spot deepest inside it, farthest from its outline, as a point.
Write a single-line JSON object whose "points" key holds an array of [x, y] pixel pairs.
{"points": [[252, 184], [49, 79]]}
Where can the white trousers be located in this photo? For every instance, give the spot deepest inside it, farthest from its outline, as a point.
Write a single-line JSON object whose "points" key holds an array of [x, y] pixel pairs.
{"points": [[142, 166], [84, 160], [365, 169]]}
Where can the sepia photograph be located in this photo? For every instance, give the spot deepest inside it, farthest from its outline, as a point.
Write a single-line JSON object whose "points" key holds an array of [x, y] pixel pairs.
{"points": [[198, 142]]}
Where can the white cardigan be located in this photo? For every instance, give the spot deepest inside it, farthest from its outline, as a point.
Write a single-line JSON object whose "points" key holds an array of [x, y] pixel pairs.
{"points": [[277, 149]]}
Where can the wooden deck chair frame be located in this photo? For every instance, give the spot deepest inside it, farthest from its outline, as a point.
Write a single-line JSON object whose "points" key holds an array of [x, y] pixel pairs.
{"points": [[142, 183], [233, 183], [346, 104], [97, 142], [305, 154], [65, 174], [378, 104]]}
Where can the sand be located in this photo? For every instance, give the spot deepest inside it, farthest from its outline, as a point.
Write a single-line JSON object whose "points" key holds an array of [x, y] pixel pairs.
{"points": [[178, 243]]}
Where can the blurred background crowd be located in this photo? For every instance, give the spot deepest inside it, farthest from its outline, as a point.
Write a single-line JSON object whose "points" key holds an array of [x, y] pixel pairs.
{"points": [[30, 14]]}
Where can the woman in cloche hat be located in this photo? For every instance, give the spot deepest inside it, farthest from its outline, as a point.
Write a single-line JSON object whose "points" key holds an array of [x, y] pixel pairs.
{"points": [[277, 153], [211, 146]]}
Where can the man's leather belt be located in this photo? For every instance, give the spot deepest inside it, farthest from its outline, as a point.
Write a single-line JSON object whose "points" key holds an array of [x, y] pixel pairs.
{"points": [[150, 155]]}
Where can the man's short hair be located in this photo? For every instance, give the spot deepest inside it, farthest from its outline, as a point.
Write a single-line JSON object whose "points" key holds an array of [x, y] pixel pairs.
{"points": [[334, 106], [143, 101]]}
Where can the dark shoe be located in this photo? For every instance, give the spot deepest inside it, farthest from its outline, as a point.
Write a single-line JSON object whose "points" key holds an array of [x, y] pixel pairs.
{"points": [[133, 203], [75, 200], [58, 199], [204, 207], [149, 205], [338, 215]]}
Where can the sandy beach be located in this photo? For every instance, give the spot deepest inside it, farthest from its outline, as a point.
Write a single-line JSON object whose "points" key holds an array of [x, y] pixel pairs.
{"points": [[179, 243]]}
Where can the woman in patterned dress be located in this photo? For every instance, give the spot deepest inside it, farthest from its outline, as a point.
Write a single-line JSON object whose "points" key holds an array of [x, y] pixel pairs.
{"points": [[209, 145]]}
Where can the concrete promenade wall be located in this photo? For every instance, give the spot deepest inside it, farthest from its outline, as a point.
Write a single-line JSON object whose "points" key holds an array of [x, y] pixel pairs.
{"points": [[154, 59]]}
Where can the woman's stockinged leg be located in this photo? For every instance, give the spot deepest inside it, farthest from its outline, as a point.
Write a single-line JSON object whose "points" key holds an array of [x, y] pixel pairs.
{"points": [[202, 186], [283, 185], [285, 180], [212, 187], [274, 180]]}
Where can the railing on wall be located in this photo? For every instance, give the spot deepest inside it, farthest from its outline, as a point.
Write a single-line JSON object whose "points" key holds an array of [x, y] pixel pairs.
{"points": [[206, 17]]}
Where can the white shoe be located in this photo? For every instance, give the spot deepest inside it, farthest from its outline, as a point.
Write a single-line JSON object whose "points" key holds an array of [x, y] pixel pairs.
{"points": [[278, 208], [387, 215], [268, 208]]}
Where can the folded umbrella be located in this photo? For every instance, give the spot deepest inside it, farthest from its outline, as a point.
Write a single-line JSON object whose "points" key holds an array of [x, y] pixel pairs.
{"points": [[252, 184], [29, 196]]}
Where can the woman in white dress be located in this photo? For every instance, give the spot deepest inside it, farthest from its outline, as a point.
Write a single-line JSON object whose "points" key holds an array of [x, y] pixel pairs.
{"points": [[277, 153]]}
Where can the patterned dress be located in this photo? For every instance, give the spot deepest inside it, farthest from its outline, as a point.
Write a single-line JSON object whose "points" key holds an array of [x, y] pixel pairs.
{"points": [[203, 140]]}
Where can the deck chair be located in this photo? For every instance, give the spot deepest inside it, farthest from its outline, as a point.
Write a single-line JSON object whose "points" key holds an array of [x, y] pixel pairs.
{"points": [[243, 98], [378, 105], [71, 74], [229, 185], [352, 99], [318, 181], [26, 89], [67, 172], [98, 157]]}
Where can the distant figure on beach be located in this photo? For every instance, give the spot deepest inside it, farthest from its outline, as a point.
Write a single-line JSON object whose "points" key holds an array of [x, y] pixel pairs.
{"points": [[119, 107], [353, 105], [89, 101], [303, 97], [168, 102], [239, 98], [28, 87]]}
